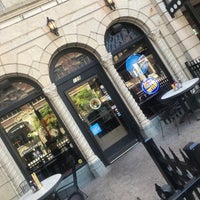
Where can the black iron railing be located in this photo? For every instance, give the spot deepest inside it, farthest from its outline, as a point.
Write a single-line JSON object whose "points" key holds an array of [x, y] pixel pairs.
{"points": [[181, 174], [194, 67]]}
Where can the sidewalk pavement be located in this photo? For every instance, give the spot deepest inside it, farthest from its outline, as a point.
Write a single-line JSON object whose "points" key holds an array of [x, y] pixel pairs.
{"points": [[133, 176]]}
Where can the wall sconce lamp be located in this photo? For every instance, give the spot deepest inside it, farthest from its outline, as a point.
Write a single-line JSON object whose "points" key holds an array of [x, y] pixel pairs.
{"points": [[173, 6], [110, 4], [52, 26]]}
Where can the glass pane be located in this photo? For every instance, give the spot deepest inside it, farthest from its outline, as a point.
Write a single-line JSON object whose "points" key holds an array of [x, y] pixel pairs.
{"points": [[69, 63], [98, 112], [125, 40], [120, 35], [39, 138], [143, 65], [13, 91]]}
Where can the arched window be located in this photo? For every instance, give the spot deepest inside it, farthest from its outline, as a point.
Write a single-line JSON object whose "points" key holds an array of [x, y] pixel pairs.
{"points": [[93, 102], [13, 91], [119, 36], [138, 64], [68, 62], [32, 131]]}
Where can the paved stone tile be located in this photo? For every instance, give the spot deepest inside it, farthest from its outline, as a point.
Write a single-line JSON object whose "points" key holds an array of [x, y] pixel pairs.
{"points": [[135, 174]]}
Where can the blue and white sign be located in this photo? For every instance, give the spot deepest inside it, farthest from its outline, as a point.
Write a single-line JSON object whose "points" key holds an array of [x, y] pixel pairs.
{"points": [[95, 129], [150, 86]]}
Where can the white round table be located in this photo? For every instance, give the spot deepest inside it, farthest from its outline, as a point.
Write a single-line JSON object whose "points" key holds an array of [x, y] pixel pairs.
{"points": [[186, 86], [182, 95], [48, 186]]}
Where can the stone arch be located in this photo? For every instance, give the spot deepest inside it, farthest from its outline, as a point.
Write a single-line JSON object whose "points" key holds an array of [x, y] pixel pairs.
{"points": [[152, 31], [135, 17], [59, 44], [21, 70]]}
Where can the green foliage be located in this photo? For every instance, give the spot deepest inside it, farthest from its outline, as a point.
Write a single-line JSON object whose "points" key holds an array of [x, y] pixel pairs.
{"points": [[45, 110], [36, 122], [82, 99]]}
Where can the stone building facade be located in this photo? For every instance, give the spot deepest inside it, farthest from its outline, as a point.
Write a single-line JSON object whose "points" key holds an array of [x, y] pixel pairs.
{"points": [[28, 49]]}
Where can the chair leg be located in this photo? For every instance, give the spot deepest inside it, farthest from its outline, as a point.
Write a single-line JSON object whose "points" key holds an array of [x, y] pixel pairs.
{"points": [[161, 129], [177, 128], [84, 194]]}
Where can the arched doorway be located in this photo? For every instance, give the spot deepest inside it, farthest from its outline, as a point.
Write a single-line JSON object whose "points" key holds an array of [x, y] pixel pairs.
{"points": [[32, 131], [94, 103], [137, 63]]}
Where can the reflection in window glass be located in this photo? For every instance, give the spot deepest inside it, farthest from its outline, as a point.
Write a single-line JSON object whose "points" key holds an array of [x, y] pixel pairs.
{"points": [[99, 113], [127, 43], [12, 92], [39, 138], [69, 63], [146, 66]]}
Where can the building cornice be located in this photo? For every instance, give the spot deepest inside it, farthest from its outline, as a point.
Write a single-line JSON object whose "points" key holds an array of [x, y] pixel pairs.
{"points": [[22, 11]]}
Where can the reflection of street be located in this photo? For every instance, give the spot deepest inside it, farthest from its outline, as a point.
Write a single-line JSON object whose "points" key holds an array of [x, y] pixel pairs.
{"points": [[115, 134], [95, 103], [27, 130], [97, 110], [105, 117], [45, 156]]}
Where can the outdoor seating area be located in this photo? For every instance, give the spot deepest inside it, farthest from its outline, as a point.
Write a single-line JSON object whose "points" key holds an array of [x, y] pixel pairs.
{"points": [[176, 134], [172, 113], [135, 174], [51, 189]]}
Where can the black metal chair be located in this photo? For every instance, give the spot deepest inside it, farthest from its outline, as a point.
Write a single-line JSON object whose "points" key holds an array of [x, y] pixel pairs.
{"points": [[66, 191], [171, 114], [197, 97]]}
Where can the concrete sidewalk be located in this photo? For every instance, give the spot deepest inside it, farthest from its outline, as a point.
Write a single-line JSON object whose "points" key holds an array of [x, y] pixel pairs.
{"points": [[135, 174]]}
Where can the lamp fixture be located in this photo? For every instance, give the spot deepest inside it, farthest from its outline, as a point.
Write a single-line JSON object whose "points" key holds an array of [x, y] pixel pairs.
{"points": [[110, 4], [173, 6], [52, 26]]}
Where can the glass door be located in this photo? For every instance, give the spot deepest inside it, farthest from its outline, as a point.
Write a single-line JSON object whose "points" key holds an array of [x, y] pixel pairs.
{"points": [[100, 116]]}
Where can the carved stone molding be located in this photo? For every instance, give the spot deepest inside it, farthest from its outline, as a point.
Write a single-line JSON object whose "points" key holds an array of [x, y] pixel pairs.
{"points": [[9, 167], [174, 68], [107, 60], [138, 114], [52, 93]]}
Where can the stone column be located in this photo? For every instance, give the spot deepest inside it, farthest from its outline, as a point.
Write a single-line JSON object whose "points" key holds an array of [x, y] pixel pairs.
{"points": [[139, 116], [94, 162], [9, 170], [174, 68]]}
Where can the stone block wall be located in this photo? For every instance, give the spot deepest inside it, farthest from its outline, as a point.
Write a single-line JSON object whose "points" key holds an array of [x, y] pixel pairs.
{"points": [[27, 45]]}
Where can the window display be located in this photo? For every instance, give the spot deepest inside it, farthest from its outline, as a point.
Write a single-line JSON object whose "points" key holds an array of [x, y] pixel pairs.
{"points": [[39, 138], [137, 63]]}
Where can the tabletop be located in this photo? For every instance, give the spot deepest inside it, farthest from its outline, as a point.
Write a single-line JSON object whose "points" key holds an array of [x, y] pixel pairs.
{"points": [[47, 187], [186, 86]]}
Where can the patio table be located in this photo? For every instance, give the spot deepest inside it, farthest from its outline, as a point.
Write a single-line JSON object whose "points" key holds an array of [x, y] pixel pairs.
{"points": [[182, 94], [48, 186]]}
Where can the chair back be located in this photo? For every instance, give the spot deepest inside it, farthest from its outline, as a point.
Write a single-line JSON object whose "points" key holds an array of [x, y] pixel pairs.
{"points": [[197, 97], [68, 189]]}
